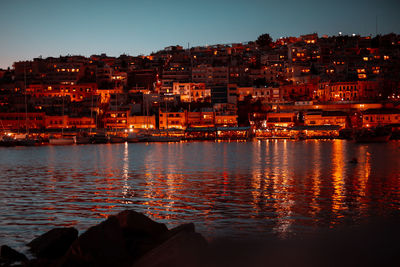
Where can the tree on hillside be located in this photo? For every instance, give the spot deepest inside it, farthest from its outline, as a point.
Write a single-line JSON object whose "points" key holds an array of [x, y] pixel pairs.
{"points": [[264, 41]]}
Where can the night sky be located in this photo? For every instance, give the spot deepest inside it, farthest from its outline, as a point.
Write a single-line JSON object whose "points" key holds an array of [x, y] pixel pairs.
{"points": [[32, 28]]}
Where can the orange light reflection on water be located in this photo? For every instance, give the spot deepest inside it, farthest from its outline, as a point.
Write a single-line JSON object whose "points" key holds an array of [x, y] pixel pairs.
{"points": [[338, 162], [363, 174], [282, 188], [255, 187], [315, 186]]}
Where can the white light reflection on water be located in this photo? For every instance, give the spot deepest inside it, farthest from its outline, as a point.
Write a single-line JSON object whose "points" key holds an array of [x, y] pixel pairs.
{"points": [[126, 189]]}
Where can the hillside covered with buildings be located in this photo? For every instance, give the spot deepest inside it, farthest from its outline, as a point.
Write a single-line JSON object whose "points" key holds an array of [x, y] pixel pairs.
{"points": [[330, 82]]}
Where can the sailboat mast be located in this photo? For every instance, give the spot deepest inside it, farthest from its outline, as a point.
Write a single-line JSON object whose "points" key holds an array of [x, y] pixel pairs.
{"points": [[91, 112], [147, 111], [26, 105], [166, 114], [116, 112], [62, 112], [147, 114]]}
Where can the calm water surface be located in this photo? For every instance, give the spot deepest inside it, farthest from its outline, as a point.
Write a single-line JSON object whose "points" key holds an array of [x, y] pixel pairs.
{"points": [[227, 189]]}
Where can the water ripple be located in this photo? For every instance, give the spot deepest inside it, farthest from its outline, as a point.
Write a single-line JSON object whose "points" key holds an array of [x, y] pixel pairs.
{"points": [[236, 189]]}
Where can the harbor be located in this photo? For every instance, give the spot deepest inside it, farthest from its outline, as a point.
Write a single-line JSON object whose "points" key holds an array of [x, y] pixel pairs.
{"points": [[201, 134], [81, 137]]}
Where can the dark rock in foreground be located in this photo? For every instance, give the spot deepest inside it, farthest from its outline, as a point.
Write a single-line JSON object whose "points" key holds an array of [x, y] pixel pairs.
{"points": [[126, 239], [182, 247], [54, 243], [130, 238], [9, 255], [140, 232], [136, 223], [100, 245]]}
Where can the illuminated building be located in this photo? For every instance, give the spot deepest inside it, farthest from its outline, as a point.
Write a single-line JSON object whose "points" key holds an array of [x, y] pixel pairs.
{"points": [[168, 120], [242, 92], [380, 117], [22, 120], [65, 122], [142, 122], [116, 119], [226, 120], [191, 92], [210, 75], [280, 119], [326, 118], [204, 118], [75, 92]]}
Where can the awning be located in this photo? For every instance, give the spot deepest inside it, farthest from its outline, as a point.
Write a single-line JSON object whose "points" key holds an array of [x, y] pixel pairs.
{"points": [[316, 128], [201, 129], [233, 128]]}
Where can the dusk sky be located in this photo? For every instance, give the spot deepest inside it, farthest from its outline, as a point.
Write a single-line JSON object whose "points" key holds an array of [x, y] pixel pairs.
{"points": [[32, 28]]}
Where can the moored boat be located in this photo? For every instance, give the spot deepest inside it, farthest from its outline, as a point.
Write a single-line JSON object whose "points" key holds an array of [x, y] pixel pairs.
{"points": [[81, 140], [132, 139], [65, 140], [373, 135], [163, 138], [17, 140], [116, 139], [100, 138], [7, 141], [137, 137], [26, 142], [372, 139]]}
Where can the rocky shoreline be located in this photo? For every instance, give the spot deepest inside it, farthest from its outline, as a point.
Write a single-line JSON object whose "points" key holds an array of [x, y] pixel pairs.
{"points": [[131, 239], [126, 239]]}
